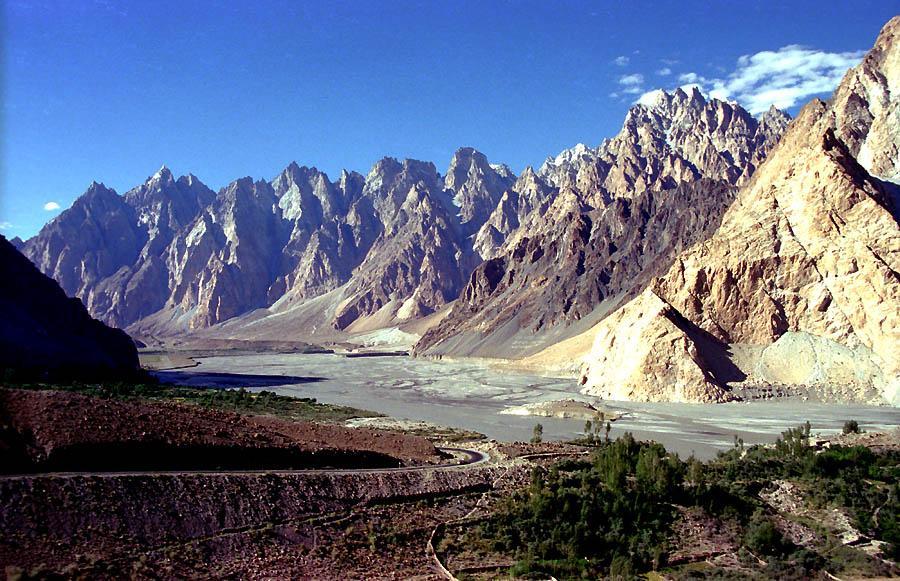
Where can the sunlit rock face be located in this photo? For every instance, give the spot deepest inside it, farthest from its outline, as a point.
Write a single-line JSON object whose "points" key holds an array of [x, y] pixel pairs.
{"points": [[807, 257]]}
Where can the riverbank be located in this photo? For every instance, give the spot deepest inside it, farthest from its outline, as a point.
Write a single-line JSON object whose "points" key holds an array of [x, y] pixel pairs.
{"points": [[472, 395]]}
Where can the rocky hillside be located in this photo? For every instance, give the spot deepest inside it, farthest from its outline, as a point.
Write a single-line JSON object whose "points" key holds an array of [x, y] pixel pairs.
{"points": [[572, 241], [799, 285], [44, 333]]}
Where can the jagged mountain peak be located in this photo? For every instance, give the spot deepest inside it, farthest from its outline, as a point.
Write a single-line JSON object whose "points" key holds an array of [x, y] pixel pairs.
{"points": [[690, 94], [307, 194], [465, 160], [295, 172], [192, 181], [97, 191], [467, 152], [162, 174], [668, 138], [567, 156], [164, 204], [476, 186], [773, 113], [503, 170], [661, 99], [389, 180], [390, 163], [243, 188], [164, 182]]}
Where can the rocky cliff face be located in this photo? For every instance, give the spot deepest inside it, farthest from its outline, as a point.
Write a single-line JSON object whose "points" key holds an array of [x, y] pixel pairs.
{"points": [[111, 251], [44, 333], [477, 186], [593, 225], [805, 264], [586, 259]]}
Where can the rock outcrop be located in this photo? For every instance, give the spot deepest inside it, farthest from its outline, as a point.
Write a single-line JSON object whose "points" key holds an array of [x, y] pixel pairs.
{"points": [[646, 351], [47, 335]]}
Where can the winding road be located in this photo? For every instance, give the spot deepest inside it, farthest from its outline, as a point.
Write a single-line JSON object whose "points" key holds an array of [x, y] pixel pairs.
{"points": [[469, 459]]}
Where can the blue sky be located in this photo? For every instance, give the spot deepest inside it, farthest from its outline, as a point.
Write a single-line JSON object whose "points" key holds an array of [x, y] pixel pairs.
{"points": [[109, 91]]}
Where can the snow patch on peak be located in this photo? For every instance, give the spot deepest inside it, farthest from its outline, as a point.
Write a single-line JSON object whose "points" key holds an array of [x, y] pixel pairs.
{"points": [[567, 155], [502, 170], [653, 98], [163, 173]]}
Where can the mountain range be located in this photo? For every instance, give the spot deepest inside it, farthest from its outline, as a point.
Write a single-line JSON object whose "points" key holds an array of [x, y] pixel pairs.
{"points": [[701, 254]]}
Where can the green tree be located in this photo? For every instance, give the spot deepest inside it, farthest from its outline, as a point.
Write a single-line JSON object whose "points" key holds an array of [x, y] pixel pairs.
{"points": [[537, 434], [694, 471], [762, 537], [620, 569]]}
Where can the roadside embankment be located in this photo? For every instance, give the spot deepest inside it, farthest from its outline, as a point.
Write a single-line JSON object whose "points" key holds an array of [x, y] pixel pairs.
{"points": [[52, 519]]}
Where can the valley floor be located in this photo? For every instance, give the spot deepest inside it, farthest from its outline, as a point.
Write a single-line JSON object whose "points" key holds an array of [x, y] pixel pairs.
{"points": [[472, 395]]}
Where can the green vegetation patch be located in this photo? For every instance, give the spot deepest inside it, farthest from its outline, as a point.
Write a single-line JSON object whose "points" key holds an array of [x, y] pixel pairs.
{"points": [[614, 516]]}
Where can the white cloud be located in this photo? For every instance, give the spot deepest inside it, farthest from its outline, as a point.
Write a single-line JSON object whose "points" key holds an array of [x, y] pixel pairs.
{"points": [[631, 80], [51, 206], [664, 72], [6, 226], [786, 77], [632, 84], [622, 61]]}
